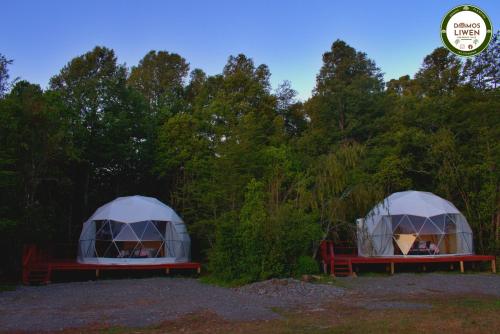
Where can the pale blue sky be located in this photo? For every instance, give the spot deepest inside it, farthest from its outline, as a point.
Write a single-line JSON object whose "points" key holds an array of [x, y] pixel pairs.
{"points": [[289, 36]]}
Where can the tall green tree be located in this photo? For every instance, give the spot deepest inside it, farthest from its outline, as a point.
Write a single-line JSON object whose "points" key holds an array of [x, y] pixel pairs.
{"points": [[159, 77], [35, 153], [483, 71], [110, 127], [4, 74], [440, 73], [347, 92]]}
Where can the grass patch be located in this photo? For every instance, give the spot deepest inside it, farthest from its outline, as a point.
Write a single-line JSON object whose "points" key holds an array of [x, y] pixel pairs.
{"points": [[479, 305], [7, 287], [448, 315], [124, 330], [373, 274]]}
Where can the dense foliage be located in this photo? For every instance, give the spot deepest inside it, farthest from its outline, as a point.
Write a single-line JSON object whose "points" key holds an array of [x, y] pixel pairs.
{"points": [[259, 177]]}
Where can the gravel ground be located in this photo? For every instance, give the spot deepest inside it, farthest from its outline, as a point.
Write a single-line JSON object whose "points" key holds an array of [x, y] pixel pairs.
{"points": [[292, 291], [150, 301], [418, 284], [143, 302]]}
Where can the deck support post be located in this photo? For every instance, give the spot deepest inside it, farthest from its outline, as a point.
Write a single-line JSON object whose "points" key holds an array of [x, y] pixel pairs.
{"points": [[494, 265], [392, 268], [462, 267], [49, 275], [97, 273], [351, 272]]}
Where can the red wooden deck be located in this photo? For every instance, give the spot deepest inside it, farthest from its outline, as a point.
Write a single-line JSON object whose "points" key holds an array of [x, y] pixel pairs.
{"points": [[342, 264], [73, 265], [416, 259], [38, 266]]}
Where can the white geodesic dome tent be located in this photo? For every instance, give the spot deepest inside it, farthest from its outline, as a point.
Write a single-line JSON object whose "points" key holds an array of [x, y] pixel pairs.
{"points": [[134, 230], [414, 223]]}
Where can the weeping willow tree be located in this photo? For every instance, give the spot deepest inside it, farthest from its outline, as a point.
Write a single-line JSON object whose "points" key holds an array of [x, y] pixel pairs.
{"points": [[338, 191]]}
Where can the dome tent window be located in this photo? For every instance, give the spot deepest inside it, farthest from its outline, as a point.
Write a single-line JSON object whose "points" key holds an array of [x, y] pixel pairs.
{"points": [[414, 223], [134, 230]]}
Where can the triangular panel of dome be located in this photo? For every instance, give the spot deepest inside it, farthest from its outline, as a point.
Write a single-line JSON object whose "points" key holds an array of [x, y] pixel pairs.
{"points": [[126, 234], [429, 228], [87, 248], [160, 226], [104, 232], [417, 222], [395, 220], [439, 221], [467, 247], [116, 227], [139, 228], [405, 227], [450, 226], [151, 233], [404, 242], [101, 246], [111, 251]]}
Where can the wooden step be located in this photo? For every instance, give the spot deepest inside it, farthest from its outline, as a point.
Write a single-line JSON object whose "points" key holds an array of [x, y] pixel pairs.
{"points": [[38, 280], [37, 273], [342, 268]]}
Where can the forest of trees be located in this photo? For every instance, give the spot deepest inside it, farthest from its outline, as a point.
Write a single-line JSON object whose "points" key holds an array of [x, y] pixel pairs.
{"points": [[259, 177]]}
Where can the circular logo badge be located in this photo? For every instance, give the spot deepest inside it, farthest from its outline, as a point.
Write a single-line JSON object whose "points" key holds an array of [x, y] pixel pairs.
{"points": [[466, 30]]}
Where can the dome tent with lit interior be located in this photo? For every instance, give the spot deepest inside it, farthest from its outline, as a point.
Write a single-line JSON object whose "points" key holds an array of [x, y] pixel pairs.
{"points": [[134, 230], [414, 223]]}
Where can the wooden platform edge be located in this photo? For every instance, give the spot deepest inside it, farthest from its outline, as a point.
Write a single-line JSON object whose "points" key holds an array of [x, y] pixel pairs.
{"points": [[52, 267], [391, 261]]}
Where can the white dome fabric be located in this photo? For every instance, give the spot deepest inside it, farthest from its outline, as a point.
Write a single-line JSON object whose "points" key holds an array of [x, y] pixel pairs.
{"points": [[416, 203], [429, 219], [135, 209], [134, 230]]}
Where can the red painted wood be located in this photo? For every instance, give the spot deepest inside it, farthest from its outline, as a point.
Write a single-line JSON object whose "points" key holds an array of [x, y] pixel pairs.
{"points": [[342, 263], [332, 256], [338, 266], [38, 266], [73, 265], [416, 259]]}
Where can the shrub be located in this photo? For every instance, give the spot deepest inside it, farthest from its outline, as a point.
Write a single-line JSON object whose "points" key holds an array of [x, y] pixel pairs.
{"points": [[306, 266], [259, 243]]}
